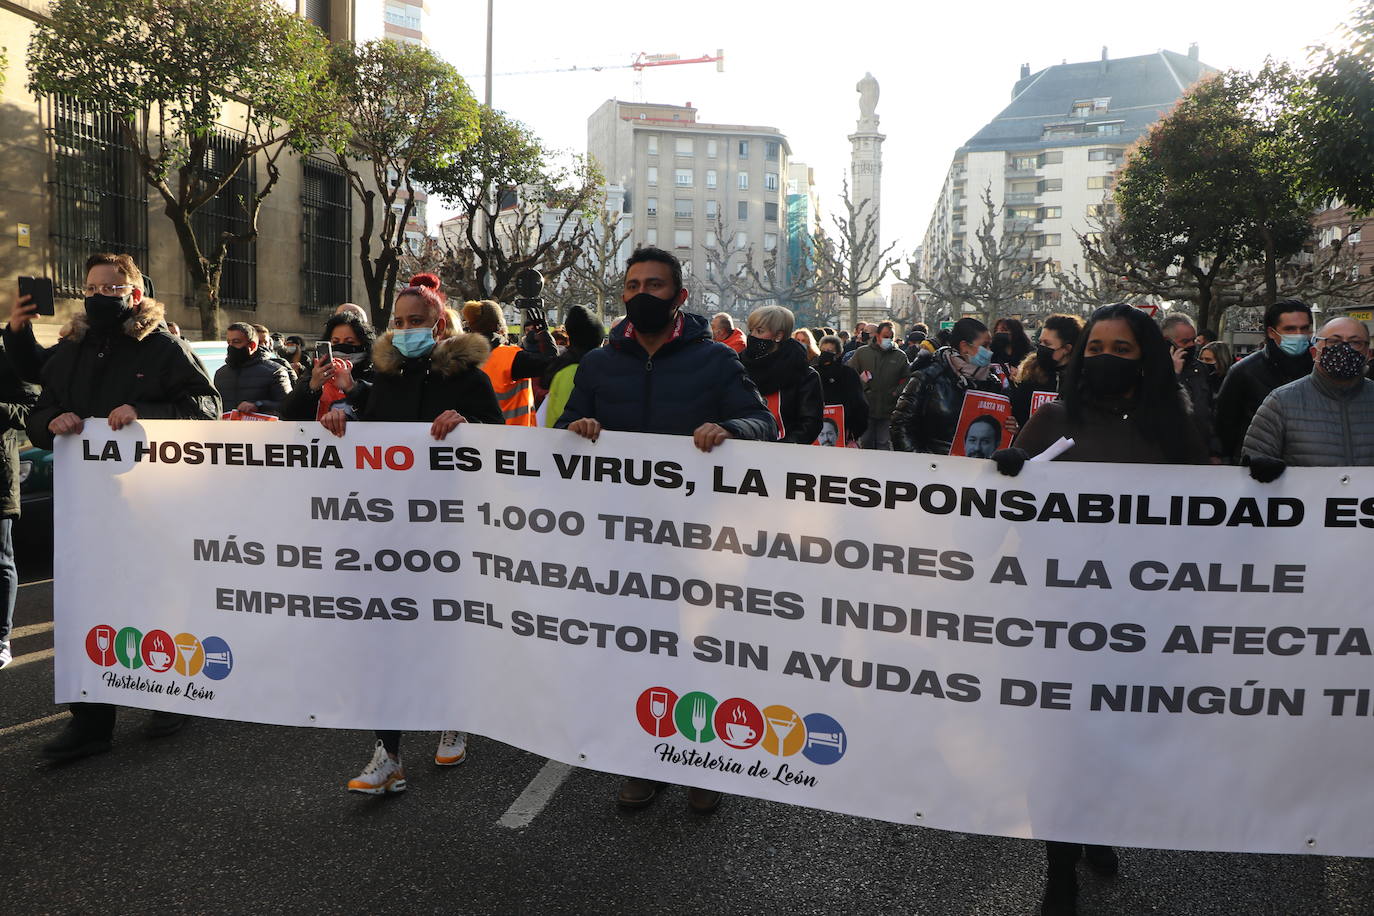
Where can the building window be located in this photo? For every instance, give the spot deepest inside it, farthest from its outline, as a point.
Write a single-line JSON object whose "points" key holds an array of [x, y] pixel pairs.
{"points": [[317, 11], [1024, 162], [682, 178], [744, 181], [1051, 212], [100, 200], [650, 236], [1106, 154], [652, 176], [771, 150], [1049, 184], [1050, 238], [744, 149], [682, 238], [1101, 211], [652, 140], [1099, 182], [1086, 108], [683, 146], [770, 241], [1110, 127], [710, 178], [770, 181], [770, 211], [741, 241], [652, 206], [711, 149], [327, 233], [710, 240], [743, 214], [225, 213], [712, 209], [1055, 157], [682, 209]]}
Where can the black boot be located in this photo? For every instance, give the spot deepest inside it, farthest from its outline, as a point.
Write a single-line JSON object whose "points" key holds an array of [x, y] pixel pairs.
{"points": [[1061, 880], [1102, 860], [74, 743], [161, 724]]}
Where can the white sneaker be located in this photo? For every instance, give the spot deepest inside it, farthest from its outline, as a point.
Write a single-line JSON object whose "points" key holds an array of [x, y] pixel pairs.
{"points": [[384, 774], [453, 749], [5, 656]]}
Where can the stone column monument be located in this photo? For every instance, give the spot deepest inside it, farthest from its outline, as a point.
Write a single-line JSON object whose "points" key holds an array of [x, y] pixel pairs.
{"points": [[866, 179]]}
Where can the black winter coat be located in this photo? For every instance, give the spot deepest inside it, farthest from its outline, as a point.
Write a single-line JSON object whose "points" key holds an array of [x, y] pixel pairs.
{"points": [[927, 413], [261, 380], [90, 374], [16, 401], [690, 381], [302, 403], [1193, 378], [841, 385], [1246, 386], [405, 390], [784, 372]]}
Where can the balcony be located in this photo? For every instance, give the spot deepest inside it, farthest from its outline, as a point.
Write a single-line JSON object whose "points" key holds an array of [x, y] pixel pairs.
{"points": [[1021, 173], [1017, 225], [1019, 197]]}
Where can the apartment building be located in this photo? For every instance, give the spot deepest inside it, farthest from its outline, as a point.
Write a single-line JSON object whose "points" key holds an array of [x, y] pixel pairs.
{"points": [[683, 178], [69, 186], [1048, 158]]}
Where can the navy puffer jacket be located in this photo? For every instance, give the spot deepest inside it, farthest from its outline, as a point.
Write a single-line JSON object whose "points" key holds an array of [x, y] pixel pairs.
{"points": [[689, 381]]}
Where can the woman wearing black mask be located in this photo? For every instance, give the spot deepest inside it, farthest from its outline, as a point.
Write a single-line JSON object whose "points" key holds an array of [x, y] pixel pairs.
{"points": [[1042, 368], [329, 380], [840, 384], [1120, 401], [778, 366], [1010, 345]]}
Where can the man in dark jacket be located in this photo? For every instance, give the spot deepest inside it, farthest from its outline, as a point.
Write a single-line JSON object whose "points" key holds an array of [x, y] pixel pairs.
{"points": [[1285, 357], [883, 370], [248, 381], [16, 399], [777, 366], [1192, 373], [662, 373], [840, 385], [118, 364]]}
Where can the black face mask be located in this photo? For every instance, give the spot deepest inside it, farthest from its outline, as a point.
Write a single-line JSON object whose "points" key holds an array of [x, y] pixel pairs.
{"points": [[105, 312], [234, 357], [347, 348], [1001, 343], [758, 347], [828, 358], [1109, 375], [865, 337], [1044, 357], [649, 313]]}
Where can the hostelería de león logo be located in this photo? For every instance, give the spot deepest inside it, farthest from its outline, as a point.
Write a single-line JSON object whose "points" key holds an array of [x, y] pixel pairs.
{"points": [[773, 733], [158, 652]]}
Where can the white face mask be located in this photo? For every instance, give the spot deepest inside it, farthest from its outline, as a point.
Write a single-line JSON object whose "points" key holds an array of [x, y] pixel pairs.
{"points": [[887, 343]]}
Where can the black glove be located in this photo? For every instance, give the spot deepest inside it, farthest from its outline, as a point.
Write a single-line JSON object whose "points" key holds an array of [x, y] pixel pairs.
{"points": [[1263, 468], [1010, 461]]}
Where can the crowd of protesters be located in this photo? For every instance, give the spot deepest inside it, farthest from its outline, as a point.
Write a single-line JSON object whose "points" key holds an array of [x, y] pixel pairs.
{"points": [[1122, 387]]}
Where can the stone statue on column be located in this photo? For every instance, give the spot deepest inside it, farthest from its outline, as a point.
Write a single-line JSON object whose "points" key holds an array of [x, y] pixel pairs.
{"points": [[868, 102]]}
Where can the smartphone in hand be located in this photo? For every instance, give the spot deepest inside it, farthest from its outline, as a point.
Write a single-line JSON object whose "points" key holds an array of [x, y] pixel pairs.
{"points": [[324, 350], [40, 290]]}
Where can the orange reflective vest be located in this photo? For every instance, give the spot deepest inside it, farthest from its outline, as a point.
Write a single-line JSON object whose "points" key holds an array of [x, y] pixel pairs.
{"points": [[516, 397]]}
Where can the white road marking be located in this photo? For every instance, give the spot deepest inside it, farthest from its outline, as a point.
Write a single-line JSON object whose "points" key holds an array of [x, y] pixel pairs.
{"points": [[536, 795], [32, 629], [25, 726], [29, 657]]}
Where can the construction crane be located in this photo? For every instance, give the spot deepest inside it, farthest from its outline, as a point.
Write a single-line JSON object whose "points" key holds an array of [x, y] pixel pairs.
{"points": [[642, 61]]}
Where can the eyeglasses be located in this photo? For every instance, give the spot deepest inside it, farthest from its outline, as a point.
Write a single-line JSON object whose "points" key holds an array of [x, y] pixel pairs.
{"points": [[107, 289], [1361, 344]]}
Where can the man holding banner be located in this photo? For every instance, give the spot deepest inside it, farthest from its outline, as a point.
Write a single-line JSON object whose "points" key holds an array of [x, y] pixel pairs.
{"points": [[118, 364], [661, 373]]}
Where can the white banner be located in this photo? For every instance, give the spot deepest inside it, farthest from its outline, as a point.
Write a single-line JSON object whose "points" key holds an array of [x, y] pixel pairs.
{"points": [[1120, 654]]}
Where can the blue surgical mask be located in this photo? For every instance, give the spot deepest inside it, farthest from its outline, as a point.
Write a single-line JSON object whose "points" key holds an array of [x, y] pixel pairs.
{"points": [[413, 342], [1295, 344], [982, 358], [887, 343]]}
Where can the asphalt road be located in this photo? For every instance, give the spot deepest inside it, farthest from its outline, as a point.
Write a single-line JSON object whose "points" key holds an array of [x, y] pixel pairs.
{"points": [[227, 817]]}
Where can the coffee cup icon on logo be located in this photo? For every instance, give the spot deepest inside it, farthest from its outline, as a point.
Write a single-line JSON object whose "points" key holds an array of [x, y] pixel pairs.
{"points": [[739, 733]]}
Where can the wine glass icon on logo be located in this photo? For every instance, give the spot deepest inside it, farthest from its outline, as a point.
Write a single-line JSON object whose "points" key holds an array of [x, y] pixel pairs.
{"points": [[104, 638], [654, 711], [658, 708]]}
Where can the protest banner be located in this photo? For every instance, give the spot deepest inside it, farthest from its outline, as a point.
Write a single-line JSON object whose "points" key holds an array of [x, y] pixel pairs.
{"points": [[1176, 657], [982, 427], [1041, 398], [832, 427]]}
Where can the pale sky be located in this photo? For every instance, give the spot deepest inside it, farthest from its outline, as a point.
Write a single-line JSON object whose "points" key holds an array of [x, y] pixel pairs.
{"points": [[944, 69]]}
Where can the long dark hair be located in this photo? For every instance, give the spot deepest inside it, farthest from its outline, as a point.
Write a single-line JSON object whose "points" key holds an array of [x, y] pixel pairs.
{"points": [[1160, 409], [1020, 341]]}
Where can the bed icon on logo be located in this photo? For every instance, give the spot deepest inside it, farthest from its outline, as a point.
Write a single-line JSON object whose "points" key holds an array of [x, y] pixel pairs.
{"points": [[219, 660]]}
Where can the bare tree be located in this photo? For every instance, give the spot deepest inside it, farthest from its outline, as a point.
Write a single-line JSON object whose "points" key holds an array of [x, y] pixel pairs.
{"points": [[779, 283], [726, 279], [851, 263], [599, 274], [998, 272]]}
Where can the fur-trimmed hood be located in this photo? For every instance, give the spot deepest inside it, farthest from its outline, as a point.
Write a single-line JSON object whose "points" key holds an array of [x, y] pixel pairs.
{"points": [[149, 317], [449, 356]]}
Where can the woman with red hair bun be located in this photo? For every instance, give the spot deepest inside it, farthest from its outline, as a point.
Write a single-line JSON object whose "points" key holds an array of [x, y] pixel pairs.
{"points": [[424, 371]]}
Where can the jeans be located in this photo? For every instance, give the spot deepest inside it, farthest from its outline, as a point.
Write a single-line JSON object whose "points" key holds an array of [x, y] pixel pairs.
{"points": [[9, 578], [877, 436]]}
